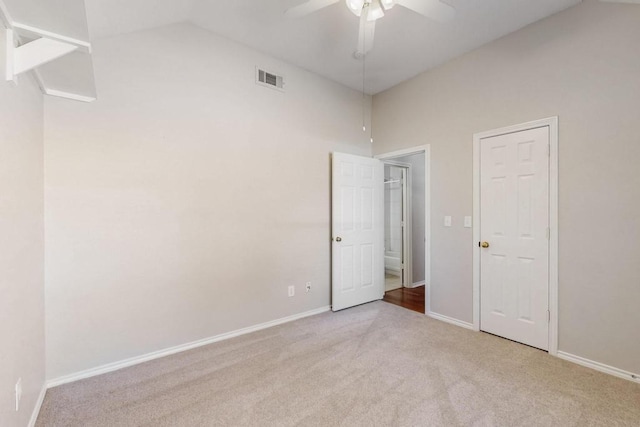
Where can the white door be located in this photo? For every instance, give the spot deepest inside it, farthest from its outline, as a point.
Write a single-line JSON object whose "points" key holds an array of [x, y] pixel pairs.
{"points": [[357, 230], [514, 221]]}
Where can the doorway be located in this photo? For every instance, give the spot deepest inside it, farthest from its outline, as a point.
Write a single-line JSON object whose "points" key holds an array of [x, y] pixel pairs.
{"points": [[515, 233], [397, 225], [406, 259]]}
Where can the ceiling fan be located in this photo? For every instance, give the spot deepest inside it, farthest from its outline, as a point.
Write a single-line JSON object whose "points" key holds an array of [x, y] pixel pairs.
{"points": [[369, 11]]}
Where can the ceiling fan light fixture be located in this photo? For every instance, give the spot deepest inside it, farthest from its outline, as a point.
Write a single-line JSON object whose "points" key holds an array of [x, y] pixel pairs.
{"points": [[355, 6], [375, 11], [387, 4]]}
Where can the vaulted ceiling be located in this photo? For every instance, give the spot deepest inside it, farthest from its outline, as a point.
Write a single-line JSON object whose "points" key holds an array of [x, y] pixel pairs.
{"points": [[406, 43]]}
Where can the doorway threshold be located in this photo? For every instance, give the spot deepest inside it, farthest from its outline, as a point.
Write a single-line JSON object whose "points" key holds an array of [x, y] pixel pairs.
{"points": [[409, 298]]}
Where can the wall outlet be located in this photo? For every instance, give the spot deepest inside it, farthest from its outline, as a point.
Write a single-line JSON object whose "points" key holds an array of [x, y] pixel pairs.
{"points": [[292, 291], [308, 286], [447, 221], [468, 223], [18, 393]]}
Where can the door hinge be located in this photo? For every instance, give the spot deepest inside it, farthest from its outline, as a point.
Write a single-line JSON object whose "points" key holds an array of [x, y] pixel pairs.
{"points": [[548, 316]]}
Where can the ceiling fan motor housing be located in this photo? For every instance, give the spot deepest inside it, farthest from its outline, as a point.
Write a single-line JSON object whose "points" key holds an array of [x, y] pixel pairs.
{"points": [[375, 8]]}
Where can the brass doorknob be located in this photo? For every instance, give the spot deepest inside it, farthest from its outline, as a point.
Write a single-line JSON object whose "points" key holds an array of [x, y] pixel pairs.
{"points": [[338, 239], [485, 244]]}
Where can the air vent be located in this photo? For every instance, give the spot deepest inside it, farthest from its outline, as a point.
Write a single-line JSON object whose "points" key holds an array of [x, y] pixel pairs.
{"points": [[268, 79]]}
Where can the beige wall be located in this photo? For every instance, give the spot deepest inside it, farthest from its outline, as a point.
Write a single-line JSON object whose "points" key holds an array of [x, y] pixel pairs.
{"points": [[582, 65], [185, 201], [21, 246]]}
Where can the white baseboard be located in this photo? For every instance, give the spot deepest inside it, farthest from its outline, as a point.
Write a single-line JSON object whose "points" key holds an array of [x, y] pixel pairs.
{"points": [[417, 284], [110, 367], [36, 409], [450, 320], [599, 366]]}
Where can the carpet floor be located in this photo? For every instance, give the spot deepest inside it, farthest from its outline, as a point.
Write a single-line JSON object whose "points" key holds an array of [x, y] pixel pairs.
{"points": [[373, 365]]}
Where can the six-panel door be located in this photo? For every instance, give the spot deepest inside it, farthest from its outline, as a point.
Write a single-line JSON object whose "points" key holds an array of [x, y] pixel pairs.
{"points": [[514, 216], [358, 230]]}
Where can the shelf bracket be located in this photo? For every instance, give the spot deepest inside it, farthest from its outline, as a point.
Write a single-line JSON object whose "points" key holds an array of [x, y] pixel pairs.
{"points": [[29, 56]]}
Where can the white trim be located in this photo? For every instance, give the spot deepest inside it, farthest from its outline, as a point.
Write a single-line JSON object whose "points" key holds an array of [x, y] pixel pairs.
{"points": [[417, 284], [67, 95], [36, 409], [8, 23], [554, 228], [599, 366], [33, 54], [450, 320], [552, 124], [402, 153], [394, 163], [110, 367], [5, 16], [20, 31], [33, 32], [10, 46], [427, 230], [475, 231], [426, 149]]}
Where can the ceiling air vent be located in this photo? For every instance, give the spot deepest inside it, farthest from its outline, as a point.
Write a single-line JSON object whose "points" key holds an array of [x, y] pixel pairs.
{"points": [[265, 78]]}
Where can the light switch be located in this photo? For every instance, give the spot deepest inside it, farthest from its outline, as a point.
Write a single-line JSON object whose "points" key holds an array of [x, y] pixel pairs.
{"points": [[467, 222], [447, 221]]}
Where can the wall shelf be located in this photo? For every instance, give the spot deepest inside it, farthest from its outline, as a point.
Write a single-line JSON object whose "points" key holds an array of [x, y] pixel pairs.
{"points": [[42, 39]]}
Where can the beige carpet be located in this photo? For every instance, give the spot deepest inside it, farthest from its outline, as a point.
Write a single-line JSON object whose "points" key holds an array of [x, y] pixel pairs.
{"points": [[374, 365]]}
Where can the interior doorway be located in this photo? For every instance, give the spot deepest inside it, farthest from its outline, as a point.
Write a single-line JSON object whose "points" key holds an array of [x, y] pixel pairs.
{"points": [[397, 227], [406, 260]]}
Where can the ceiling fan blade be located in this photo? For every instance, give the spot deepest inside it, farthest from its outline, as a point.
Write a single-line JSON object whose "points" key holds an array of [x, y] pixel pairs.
{"points": [[366, 33], [308, 7], [432, 9]]}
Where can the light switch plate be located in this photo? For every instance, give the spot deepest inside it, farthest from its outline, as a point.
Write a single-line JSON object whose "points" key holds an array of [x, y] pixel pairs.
{"points": [[467, 222], [447, 221]]}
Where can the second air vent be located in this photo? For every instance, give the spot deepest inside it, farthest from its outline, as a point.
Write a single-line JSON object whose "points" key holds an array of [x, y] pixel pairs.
{"points": [[269, 79]]}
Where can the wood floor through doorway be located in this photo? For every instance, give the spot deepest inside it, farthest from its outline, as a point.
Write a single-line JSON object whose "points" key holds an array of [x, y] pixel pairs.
{"points": [[410, 298]]}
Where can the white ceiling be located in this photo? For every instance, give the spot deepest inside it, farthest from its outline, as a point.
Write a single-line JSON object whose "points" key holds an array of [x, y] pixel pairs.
{"points": [[66, 17], [112, 17], [406, 43]]}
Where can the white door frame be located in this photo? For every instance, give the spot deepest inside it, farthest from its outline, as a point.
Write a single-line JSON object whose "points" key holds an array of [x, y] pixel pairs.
{"points": [[407, 229], [426, 149], [552, 123]]}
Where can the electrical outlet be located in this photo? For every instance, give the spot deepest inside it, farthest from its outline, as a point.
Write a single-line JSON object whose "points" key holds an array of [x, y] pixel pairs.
{"points": [[292, 291], [18, 393], [308, 286]]}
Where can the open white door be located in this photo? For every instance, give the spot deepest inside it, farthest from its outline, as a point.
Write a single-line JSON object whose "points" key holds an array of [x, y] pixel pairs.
{"points": [[357, 230]]}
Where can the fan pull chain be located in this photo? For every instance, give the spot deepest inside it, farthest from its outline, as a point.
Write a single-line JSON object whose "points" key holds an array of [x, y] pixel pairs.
{"points": [[364, 74], [364, 94]]}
